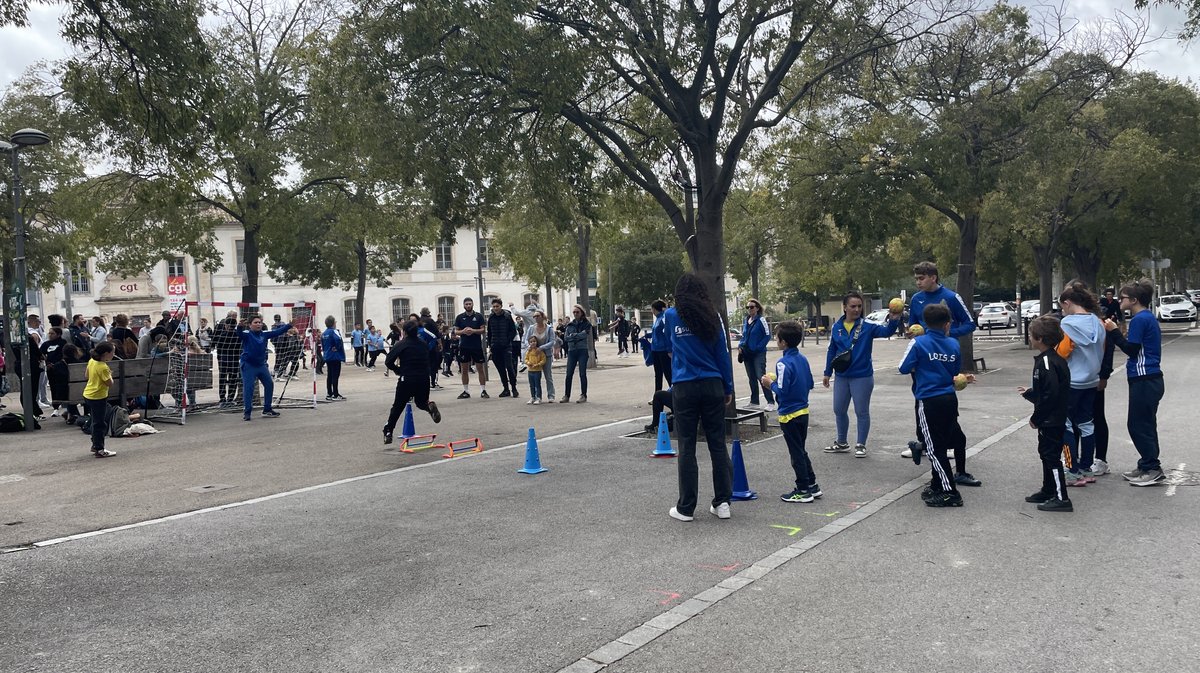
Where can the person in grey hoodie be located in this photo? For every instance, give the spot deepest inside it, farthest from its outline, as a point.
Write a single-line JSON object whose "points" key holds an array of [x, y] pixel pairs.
{"points": [[1083, 349], [547, 340]]}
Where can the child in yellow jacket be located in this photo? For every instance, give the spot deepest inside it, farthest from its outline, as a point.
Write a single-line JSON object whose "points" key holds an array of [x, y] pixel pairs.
{"points": [[535, 361]]}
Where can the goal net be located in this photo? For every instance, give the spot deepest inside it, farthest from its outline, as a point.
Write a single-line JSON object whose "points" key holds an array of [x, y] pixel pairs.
{"points": [[201, 355]]}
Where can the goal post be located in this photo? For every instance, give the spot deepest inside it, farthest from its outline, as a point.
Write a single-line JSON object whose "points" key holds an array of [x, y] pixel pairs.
{"points": [[204, 357]]}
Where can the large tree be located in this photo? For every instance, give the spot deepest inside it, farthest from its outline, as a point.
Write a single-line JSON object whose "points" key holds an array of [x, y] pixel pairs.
{"points": [[214, 104], [671, 92]]}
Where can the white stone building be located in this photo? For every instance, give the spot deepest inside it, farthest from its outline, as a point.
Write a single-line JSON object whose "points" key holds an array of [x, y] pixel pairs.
{"points": [[439, 279]]}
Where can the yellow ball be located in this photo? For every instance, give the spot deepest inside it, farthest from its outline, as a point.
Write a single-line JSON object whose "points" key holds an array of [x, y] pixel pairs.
{"points": [[896, 305], [916, 330], [960, 382], [771, 376]]}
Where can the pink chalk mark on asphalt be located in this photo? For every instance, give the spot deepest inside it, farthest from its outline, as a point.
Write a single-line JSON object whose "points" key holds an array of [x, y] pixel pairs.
{"points": [[729, 568], [671, 596]]}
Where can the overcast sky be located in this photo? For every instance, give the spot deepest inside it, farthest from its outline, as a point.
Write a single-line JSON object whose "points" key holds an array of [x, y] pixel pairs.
{"points": [[22, 47]]}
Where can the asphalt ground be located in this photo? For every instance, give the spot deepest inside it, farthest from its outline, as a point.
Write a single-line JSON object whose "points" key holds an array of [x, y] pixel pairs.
{"points": [[465, 565]]}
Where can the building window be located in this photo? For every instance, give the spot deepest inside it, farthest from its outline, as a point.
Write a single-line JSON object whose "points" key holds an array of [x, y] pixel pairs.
{"points": [[485, 253], [487, 302], [443, 256], [175, 266], [240, 255], [531, 299], [33, 295], [81, 278], [446, 308], [401, 307], [349, 308]]}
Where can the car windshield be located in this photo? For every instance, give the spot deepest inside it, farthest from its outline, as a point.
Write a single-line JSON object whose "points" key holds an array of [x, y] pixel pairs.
{"points": [[993, 309], [1026, 305], [1173, 299]]}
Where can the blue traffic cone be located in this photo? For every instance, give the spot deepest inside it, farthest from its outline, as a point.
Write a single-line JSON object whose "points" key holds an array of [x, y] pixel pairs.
{"points": [[741, 485], [663, 449], [409, 430], [533, 462]]}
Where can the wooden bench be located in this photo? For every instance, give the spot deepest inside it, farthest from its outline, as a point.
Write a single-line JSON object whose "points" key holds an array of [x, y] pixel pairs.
{"points": [[746, 415], [141, 376]]}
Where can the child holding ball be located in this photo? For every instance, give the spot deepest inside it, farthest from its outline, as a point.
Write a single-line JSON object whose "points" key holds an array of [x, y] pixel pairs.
{"points": [[790, 383]]}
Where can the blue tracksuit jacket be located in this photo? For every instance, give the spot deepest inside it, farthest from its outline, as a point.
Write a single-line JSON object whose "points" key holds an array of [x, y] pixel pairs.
{"points": [[694, 360], [254, 344], [934, 360], [961, 323], [755, 336], [793, 380], [860, 357]]}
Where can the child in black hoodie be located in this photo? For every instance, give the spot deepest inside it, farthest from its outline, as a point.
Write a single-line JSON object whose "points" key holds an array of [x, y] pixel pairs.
{"points": [[1049, 394]]}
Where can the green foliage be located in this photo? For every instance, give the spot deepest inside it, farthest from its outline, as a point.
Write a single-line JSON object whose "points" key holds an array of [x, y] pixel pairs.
{"points": [[640, 259]]}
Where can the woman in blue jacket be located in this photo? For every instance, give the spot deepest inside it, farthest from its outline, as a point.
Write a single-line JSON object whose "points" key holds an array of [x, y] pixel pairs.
{"points": [[333, 350], [660, 346], [254, 364], [855, 382], [753, 349], [702, 389]]}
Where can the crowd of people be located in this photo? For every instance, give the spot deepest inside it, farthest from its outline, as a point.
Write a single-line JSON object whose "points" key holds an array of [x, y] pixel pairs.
{"points": [[687, 348]]}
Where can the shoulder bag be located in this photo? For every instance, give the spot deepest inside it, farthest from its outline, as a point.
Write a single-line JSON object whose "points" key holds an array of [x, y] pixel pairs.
{"points": [[841, 361]]}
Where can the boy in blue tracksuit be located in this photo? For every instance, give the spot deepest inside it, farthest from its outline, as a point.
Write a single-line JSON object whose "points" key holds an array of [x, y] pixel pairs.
{"points": [[930, 292], [933, 360], [254, 364], [358, 338], [791, 382], [1143, 345], [752, 350]]}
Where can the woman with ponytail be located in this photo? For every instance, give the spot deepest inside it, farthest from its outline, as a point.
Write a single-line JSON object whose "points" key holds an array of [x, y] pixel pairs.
{"points": [[702, 387]]}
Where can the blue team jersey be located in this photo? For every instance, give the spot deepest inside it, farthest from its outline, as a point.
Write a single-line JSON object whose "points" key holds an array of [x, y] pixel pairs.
{"points": [[356, 338], [934, 360], [793, 380], [1144, 330], [961, 323]]}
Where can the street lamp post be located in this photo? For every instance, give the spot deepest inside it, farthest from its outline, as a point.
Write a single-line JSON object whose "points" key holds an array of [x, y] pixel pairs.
{"points": [[17, 302]]}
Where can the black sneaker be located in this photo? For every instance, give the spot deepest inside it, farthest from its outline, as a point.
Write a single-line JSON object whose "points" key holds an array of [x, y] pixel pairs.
{"points": [[504, 393], [1056, 505], [271, 413], [329, 398], [1039, 497], [483, 395], [433, 412], [918, 450], [515, 394], [927, 493], [966, 479], [797, 495], [815, 491], [245, 417], [387, 436], [945, 499], [464, 395]]}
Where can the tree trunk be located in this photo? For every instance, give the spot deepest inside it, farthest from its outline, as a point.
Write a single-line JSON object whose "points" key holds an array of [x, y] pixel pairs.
{"points": [[250, 258], [1087, 265], [1043, 260], [360, 295], [548, 304], [968, 241], [708, 262], [755, 268], [583, 239]]}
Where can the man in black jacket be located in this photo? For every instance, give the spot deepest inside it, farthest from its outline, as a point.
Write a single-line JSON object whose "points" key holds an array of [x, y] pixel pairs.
{"points": [[501, 331], [409, 361]]}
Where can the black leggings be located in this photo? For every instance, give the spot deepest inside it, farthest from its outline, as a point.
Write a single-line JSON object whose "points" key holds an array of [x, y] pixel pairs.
{"points": [[333, 370], [415, 388]]}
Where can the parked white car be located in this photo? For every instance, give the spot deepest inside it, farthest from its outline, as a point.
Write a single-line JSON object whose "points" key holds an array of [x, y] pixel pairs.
{"points": [[1031, 308], [877, 317], [1174, 307], [996, 315]]}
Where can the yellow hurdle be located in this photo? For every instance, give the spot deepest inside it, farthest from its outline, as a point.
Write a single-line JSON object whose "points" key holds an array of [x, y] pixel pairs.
{"points": [[418, 442], [464, 446]]}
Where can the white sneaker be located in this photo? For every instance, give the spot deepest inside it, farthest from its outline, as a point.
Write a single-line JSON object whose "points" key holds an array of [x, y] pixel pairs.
{"points": [[674, 514], [907, 453], [721, 511], [860, 450], [752, 407], [56, 412], [771, 407], [532, 400], [537, 401], [1099, 467]]}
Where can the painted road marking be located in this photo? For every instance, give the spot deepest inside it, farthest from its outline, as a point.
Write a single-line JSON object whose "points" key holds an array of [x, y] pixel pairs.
{"points": [[793, 529], [646, 632], [1173, 480]]}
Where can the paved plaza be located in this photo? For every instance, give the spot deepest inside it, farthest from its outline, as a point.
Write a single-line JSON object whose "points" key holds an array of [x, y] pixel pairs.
{"points": [[305, 544]]}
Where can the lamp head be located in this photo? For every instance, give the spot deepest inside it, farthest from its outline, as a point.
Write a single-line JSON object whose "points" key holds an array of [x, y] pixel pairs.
{"points": [[29, 138]]}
